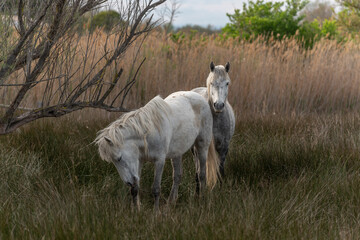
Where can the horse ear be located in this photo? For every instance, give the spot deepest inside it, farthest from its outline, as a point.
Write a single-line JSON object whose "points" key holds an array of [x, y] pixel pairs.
{"points": [[108, 140], [227, 67], [212, 66]]}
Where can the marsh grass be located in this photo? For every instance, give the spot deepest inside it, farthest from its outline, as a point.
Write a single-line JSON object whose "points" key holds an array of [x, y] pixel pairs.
{"points": [[278, 77], [287, 178]]}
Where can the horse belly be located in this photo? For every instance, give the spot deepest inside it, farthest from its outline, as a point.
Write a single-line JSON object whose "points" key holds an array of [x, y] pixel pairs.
{"points": [[182, 141]]}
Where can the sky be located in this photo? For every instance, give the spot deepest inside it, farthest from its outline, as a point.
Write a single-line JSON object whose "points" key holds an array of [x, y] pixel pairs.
{"points": [[205, 12]]}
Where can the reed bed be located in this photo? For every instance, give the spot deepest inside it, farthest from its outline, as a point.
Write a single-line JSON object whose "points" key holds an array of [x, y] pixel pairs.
{"points": [[267, 78]]}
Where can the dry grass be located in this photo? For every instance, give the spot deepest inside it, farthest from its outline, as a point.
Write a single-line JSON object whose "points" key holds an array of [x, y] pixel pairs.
{"points": [[278, 78], [265, 79]]}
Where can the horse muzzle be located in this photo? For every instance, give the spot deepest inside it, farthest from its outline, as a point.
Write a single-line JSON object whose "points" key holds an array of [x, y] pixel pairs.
{"points": [[134, 181], [219, 106]]}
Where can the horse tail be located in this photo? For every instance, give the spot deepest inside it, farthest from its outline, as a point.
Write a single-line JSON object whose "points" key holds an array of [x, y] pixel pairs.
{"points": [[212, 166]]}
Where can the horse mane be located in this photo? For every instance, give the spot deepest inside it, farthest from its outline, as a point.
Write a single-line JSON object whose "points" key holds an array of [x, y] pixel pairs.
{"points": [[141, 121], [218, 72]]}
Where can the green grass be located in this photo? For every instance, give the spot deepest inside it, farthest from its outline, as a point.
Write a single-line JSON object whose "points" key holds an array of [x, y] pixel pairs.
{"points": [[287, 178]]}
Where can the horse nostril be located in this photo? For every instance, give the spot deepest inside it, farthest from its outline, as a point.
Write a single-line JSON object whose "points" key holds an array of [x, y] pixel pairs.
{"points": [[129, 184], [214, 105], [222, 105]]}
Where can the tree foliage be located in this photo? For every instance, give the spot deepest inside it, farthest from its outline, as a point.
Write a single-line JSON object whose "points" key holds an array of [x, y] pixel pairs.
{"points": [[277, 20], [266, 19], [349, 18]]}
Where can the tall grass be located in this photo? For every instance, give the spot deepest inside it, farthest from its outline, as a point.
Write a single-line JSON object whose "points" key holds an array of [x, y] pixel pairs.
{"points": [[273, 78]]}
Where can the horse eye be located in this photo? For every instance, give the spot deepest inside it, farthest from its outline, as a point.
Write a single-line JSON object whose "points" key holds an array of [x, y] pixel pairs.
{"points": [[119, 159], [227, 84]]}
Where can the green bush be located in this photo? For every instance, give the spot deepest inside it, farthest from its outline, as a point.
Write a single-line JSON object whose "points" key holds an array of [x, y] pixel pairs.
{"points": [[309, 33], [277, 20], [106, 20], [266, 19]]}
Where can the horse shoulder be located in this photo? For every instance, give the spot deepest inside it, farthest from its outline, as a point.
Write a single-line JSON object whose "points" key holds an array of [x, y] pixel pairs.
{"points": [[158, 142]]}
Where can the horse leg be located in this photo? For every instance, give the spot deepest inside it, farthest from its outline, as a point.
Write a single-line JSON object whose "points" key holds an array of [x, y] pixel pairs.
{"points": [[196, 161], [222, 155], [136, 200], [197, 180], [135, 195], [202, 155], [159, 167], [177, 173]]}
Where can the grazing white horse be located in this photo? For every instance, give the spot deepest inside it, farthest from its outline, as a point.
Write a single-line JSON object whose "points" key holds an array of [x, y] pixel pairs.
{"points": [[216, 92], [162, 129]]}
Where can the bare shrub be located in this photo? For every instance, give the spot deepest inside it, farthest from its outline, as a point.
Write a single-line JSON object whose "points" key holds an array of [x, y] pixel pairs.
{"points": [[43, 52]]}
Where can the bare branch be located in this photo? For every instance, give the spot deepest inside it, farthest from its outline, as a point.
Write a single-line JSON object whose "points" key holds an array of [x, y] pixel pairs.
{"points": [[71, 74], [20, 17], [54, 111], [4, 71]]}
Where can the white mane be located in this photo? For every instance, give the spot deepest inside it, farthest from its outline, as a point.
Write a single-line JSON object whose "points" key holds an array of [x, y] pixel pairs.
{"points": [[139, 122]]}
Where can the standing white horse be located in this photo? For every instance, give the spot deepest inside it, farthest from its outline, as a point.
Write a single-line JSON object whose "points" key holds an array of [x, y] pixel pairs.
{"points": [[216, 92], [161, 129]]}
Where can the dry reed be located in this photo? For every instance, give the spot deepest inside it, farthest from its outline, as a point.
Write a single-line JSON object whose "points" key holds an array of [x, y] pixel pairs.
{"points": [[276, 78]]}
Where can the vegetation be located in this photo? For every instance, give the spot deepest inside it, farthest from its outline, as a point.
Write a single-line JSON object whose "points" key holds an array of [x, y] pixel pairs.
{"points": [[307, 22], [268, 19], [349, 19], [319, 10], [105, 19], [198, 29], [292, 170], [293, 177], [44, 48], [278, 78]]}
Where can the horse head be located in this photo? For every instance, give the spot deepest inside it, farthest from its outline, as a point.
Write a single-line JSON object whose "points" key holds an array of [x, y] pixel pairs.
{"points": [[218, 85], [125, 157]]}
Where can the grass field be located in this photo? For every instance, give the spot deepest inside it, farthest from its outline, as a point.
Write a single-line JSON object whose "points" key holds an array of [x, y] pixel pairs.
{"points": [[287, 178]]}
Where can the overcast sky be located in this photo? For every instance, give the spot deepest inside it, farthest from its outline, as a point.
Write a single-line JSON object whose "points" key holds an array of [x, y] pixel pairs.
{"points": [[205, 12]]}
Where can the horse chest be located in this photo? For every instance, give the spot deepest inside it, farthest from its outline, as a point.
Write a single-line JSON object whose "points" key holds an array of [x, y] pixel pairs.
{"points": [[221, 125]]}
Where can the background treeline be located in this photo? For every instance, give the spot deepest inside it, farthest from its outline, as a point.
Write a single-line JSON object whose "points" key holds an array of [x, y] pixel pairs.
{"points": [[305, 21]]}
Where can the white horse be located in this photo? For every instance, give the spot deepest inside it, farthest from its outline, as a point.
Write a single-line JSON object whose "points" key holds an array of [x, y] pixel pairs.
{"points": [[216, 92], [161, 129]]}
